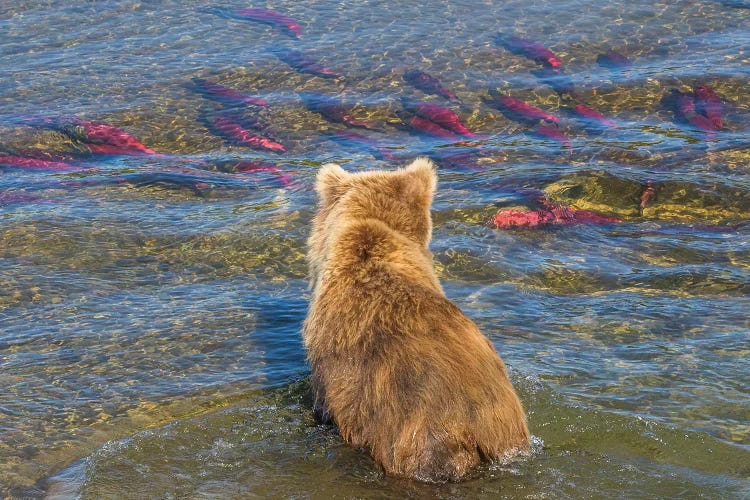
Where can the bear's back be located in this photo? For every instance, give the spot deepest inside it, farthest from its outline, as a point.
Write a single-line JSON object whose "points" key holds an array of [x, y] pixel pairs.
{"points": [[401, 369]]}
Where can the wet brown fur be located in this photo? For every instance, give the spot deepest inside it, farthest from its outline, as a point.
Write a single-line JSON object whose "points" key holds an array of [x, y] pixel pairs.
{"points": [[399, 368]]}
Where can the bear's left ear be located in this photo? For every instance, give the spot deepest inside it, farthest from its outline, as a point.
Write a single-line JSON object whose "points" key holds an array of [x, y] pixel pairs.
{"points": [[330, 183], [422, 177]]}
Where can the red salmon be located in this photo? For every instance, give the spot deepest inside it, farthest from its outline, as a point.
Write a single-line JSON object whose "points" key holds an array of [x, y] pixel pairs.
{"points": [[7, 198], [247, 167], [439, 115], [303, 64], [510, 218], [549, 213], [708, 103], [648, 195], [358, 141], [332, 109], [529, 49], [592, 116], [37, 164], [548, 132], [275, 19], [235, 132], [516, 109], [684, 108], [225, 95], [613, 60], [428, 84], [431, 128], [97, 134], [556, 79]]}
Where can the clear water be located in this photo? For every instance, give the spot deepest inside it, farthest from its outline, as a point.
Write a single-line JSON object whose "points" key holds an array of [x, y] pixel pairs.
{"points": [[150, 307]]}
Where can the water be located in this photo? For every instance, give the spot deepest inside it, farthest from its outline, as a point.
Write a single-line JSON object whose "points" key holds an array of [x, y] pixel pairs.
{"points": [[150, 305]]}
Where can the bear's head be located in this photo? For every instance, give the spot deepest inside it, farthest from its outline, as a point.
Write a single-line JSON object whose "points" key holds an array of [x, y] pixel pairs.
{"points": [[400, 199]]}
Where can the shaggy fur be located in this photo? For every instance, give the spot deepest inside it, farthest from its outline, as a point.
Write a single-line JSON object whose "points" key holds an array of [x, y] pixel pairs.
{"points": [[398, 367]]}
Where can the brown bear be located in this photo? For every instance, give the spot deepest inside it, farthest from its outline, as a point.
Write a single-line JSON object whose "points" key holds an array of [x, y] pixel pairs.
{"points": [[397, 366]]}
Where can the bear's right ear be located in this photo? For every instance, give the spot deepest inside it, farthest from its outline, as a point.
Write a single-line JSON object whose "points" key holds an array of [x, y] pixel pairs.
{"points": [[330, 183], [422, 171]]}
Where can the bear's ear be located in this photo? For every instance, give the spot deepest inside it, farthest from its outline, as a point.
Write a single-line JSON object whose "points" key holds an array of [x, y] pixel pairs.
{"points": [[330, 183], [422, 178]]}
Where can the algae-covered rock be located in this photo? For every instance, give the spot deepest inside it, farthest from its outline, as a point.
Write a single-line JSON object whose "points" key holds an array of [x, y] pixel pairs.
{"points": [[597, 191], [683, 201], [674, 200]]}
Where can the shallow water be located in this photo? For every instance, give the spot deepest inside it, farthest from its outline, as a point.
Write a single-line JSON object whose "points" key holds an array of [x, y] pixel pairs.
{"points": [[150, 305]]}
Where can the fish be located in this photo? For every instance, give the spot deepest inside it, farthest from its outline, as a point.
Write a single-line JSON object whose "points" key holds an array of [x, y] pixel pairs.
{"points": [[26, 162], [235, 132], [511, 218], [169, 178], [549, 213], [225, 95], [332, 109], [557, 79], [518, 110], [738, 4], [359, 141], [279, 21], [613, 60], [100, 136], [709, 104], [431, 128], [252, 167], [455, 157], [8, 198], [428, 84], [683, 106], [529, 49], [97, 136], [548, 132], [440, 115], [648, 195], [591, 117], [103, 134], [303, 64]]}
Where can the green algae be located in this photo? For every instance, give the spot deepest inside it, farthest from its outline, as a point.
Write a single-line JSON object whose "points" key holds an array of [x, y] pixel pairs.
{"points": [[674, 201]]}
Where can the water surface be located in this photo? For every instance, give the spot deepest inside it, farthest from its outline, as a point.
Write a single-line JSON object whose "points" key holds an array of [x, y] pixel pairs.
{"points": [[150, 305]]}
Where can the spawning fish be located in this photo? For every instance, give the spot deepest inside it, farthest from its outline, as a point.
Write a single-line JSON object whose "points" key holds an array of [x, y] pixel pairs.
{"points": [[550, 213], [231, 129], [225, 95], [95, 135], [648, 195], [250, 167], [592, 116], [511, 218], [119, 141], [516, 109], [708, 103], [331, 109], [455, 157], [273, 18], [613, 60], [423, 125], [548, 132], [439, 115], [428, 84], [358, 141], [684, 109], [529, 49], [304, 64], [37, 164], [556, 79], [7, 198]]}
